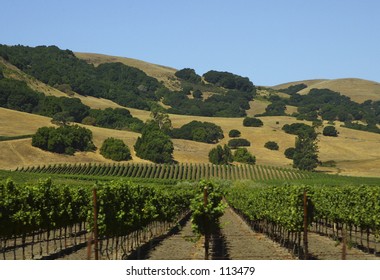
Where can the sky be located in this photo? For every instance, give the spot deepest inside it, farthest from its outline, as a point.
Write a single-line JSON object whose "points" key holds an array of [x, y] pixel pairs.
{"points": [[269, 41]]}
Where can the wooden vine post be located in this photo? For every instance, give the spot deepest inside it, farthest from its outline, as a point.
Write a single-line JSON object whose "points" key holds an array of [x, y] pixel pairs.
{"points": [[207, 236], [305, 240], [94, 234]]}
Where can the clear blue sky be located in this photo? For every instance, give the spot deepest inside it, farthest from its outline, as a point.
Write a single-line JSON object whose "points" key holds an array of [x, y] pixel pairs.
{"points": [[269, 41]]}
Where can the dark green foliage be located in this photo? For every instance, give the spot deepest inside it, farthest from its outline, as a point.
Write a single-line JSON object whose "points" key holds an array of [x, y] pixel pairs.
{"points": [[306, 153], [370, 127], [330, 131], [276, 108], [197, 94], [64, 139], [244, 156], [253, 122], [205, 217], [62, 118], [125, 85], [234, 133], [115, 149], [220, 155], [271, 145], [154, 145], [300, 129], [331, 106], [17, 95], [230, 104], [1, 74], [293, 89], [118, 118], [289, 153], [188, 74], [239, 142], [229, 81], [199, 131]]}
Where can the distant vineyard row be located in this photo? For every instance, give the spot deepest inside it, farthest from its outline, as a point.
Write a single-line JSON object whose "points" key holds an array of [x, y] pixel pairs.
{"points": [[175, 171]]}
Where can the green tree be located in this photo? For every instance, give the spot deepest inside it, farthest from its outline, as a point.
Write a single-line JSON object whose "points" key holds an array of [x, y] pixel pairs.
{"points": [[289, 153], [162, 119], [271, 145], [234, 133], [154, 145], [305, 153], [220, 155], [254, 122], [330, 131], [244, 156], [115, 149]]}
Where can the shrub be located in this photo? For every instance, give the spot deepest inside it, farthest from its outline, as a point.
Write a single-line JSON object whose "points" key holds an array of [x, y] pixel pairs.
{"points": [[239, 142], [253, 122], [271, 145], [289, 153], [115, 149], [234, 133], [244, 156], [197, 94], [220, 155], [330, 131]]}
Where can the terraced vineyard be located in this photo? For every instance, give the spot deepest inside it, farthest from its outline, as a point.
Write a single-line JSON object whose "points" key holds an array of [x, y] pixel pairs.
{"points": [[177, 171]]}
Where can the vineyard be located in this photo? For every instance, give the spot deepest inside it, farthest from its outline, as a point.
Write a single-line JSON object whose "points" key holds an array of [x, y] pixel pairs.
{"points": [[193, 172], [113, 219], [45, 221]]}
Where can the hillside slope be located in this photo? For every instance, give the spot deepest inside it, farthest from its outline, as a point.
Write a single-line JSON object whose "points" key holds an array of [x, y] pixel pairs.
{"points": [[162, 73], [358, 90], [355, 152]]}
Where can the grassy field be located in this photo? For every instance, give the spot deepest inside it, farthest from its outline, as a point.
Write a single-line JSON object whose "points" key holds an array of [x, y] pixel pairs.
{"points": [[355, 152]]}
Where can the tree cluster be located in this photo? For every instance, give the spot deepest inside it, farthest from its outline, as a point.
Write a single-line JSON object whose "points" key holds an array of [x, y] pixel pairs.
{"points": [[64, 139], [118, 118], [242, 155], [125, 85], [229, 81], [115, 149], [199, 131], [154, 145], [18, 96], [300, 129], [220, 155], [188, 74]]}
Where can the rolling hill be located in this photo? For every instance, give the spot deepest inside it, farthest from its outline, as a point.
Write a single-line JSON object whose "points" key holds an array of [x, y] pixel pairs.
{"points": [[355, 152], [358, 90]]}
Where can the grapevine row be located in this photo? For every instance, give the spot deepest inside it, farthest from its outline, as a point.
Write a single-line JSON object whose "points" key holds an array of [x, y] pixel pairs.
{"points": [[279, 211], [182, 171]]}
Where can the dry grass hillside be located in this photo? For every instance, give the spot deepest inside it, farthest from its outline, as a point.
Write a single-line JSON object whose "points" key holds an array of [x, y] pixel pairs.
{"points": [[358, 90], [356, 152], [161, 73]]}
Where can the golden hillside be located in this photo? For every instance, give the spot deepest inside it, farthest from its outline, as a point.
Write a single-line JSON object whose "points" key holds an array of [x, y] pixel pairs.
{"points": [[358, 90], [161, 73], [356, 152]]}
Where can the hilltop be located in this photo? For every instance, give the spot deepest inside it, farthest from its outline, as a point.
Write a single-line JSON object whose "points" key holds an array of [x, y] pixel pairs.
{"points": [[358, 90]]}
